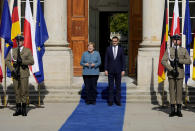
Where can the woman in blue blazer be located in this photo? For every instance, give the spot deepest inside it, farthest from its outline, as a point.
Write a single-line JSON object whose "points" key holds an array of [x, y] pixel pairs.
{"points": [[90, 61]]}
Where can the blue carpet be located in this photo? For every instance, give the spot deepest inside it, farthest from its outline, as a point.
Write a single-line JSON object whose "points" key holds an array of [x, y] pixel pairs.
{"points": [[99, 117]]}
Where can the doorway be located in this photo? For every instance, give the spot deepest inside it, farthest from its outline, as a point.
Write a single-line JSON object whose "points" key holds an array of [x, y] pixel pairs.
{"points": [[83, 28], [113, 24]]}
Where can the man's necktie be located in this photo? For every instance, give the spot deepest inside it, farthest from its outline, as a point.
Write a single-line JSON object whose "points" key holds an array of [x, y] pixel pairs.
{"points": [[114, 52]]}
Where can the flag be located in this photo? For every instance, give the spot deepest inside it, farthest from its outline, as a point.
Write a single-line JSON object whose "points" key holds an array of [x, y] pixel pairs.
{"points": [[164, 39], [188, 33], [41, 35], [15, 23], [5, 28], [193, 74], [29, 36], [1, 72], [175, 27], [15, 30]]}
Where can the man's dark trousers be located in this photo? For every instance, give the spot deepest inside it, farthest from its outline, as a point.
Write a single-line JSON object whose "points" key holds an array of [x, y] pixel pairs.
{"points": [[114, 79]]}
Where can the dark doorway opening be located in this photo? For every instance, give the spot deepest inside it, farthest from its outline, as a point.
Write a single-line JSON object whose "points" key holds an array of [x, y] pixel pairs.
{"points": [[106, 32]]}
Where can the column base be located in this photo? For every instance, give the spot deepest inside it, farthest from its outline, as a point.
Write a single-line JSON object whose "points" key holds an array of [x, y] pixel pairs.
{"points": [[58, 63]]}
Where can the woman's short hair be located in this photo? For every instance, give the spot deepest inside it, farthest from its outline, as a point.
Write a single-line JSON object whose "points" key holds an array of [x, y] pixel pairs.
{"points": [[91, 43]]}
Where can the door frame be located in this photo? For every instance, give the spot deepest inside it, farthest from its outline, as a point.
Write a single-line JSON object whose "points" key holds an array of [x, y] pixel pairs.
{"points": [[135, 33]]}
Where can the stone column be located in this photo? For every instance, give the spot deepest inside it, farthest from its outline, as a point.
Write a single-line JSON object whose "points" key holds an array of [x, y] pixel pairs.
{"points": [[58, 57], [56, 19], [148, 53]]}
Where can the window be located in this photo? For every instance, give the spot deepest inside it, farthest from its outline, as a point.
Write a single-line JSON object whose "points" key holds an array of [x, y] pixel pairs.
{"points": [[182, 6], [21, 10]]}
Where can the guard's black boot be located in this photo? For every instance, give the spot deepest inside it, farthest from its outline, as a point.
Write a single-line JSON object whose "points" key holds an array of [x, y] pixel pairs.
{"points": [[172, 111], [18, 110], [24, 109], [179, 114]]}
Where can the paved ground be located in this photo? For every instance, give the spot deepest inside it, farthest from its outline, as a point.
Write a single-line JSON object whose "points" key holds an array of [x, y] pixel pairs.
{"points": [[148, 117], [138, 117]]}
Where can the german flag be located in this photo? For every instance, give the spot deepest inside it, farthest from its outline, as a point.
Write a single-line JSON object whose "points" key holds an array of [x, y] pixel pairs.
{"points": [[164, 39], [15, 23]]}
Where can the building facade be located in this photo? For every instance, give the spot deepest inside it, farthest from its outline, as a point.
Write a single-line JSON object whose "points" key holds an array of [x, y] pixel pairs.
{"points": [[73, 23]]}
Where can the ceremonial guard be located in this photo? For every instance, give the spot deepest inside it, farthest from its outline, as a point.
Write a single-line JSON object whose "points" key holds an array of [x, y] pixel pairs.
{"points": [[21, 58], [173, 61]]}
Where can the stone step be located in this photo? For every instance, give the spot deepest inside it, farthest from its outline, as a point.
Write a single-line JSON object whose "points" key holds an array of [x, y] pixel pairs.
{"points": [[56, 95], [75, 98]]}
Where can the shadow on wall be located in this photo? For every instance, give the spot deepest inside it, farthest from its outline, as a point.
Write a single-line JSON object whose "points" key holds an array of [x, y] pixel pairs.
{"points": [[161, 91], [163, 94]]}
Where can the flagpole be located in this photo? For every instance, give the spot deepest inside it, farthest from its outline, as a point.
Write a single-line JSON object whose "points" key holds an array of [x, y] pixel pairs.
{"points": [[163, 97], [4, 71], [186, 94], [39, 101]]}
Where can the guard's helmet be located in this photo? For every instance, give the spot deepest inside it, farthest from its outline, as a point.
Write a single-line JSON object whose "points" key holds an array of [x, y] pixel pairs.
{"points": [[176, 37], [19, 38]]}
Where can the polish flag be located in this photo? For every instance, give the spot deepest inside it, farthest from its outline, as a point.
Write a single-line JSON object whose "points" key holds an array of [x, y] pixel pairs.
{"points": [[29, 36], [175, 27]]}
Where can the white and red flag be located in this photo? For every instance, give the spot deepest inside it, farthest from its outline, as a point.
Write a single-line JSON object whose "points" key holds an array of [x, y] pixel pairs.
{"points": [[29, 36], [175, 27]]}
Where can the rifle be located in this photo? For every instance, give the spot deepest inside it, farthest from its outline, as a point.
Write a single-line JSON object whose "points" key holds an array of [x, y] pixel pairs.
{"points": [[18, 63], [175, 62], [19, 59], [176, 73]]}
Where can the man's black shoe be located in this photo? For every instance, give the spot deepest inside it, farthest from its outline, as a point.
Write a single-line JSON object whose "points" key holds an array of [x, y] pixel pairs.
{"points": [[18, 110], [118, 103], [172, 113], [110, 103], [87, 102], [93, 102], [24, 112], [179, 114]]}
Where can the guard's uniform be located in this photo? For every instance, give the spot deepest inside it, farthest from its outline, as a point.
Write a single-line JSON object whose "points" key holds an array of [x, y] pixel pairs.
{"points": [[175, 84], [21, 88]]}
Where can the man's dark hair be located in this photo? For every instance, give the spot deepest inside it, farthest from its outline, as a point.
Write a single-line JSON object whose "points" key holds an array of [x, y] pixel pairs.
{"points": [[115, 37]]}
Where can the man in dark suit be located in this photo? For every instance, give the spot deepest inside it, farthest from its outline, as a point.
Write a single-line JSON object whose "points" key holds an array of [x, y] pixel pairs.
{"points": [[114, 69]]}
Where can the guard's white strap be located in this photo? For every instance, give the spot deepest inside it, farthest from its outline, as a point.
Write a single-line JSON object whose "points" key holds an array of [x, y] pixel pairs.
{"points": [[12, 58], [168, 49]]}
